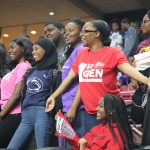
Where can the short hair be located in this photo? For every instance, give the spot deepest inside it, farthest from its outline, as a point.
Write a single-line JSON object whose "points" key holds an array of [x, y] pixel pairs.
{"points": [[56, 23], [115, 21], [126, 20], [26, 44]]}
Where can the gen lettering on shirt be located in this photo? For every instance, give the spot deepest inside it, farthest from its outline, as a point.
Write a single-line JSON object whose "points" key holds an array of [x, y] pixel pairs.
{"points": [[91, 72]]}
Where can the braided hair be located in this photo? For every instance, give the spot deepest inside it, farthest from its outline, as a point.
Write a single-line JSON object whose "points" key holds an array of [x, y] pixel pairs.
{"points": [[115, 112]]}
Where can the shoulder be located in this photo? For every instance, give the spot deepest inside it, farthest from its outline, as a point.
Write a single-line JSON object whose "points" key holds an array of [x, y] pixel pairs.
{"points": [[84, 50], [112, 50], [23, 65]]}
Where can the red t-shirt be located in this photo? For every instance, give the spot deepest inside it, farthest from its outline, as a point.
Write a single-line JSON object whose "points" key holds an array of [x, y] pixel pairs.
{"points": [[97, 74], [100, 138]]}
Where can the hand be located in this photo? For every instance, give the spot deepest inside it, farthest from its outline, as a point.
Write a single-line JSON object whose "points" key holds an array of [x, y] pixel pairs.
{"points": [[56, 116], [50, 104], [82, 143], [71, 115], [134, 84]]}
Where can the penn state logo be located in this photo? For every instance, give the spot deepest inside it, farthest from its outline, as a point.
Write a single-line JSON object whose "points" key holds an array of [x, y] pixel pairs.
{"points": [[34, 85]]}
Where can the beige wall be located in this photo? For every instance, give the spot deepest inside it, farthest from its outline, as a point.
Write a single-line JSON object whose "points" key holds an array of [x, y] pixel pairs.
{"points": [[20, 30]]}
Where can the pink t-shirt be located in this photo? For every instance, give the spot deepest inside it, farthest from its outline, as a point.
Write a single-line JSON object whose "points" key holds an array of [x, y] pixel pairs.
{"points": [[8, 83], [97, 74]]}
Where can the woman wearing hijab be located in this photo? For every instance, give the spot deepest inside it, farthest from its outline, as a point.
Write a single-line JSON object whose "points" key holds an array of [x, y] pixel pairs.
{"points": [[37, 89]]}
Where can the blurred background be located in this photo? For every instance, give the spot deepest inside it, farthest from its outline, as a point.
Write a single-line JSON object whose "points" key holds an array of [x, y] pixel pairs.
{"points": [[27, 17]]}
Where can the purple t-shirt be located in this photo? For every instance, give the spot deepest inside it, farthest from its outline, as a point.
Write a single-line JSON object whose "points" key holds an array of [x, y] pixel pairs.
{"points": [[69, 94]]}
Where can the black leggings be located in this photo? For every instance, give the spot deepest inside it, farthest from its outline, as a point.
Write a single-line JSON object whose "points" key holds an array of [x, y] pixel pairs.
{"points": [[8, 126]]}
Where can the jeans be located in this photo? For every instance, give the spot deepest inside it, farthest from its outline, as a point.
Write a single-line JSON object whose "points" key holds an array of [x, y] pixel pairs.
{"points": [[84, 122], [33, 118], [8, 126]]}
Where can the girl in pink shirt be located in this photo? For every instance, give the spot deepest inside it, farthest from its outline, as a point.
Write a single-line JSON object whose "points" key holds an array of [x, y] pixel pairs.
{"points": [[11, 84]]}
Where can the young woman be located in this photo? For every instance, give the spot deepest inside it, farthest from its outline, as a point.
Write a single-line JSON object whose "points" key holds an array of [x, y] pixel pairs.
{"points": [[96, 65], [37, 88], [115, 132], [73, 40], [11, 84]]}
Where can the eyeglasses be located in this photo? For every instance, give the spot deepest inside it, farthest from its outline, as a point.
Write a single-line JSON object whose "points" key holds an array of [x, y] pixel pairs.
{"points": [[145, 21], [86, 31]]}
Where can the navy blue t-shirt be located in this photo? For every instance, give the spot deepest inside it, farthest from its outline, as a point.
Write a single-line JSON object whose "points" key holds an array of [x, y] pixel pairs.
{"points": [[38, 88]]}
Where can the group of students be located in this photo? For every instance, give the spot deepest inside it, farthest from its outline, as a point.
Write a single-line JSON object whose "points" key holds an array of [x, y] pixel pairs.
{"points": [[90, 96]]}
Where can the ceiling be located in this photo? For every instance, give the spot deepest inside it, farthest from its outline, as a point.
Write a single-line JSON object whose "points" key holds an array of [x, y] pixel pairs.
{"points": [[19, 12]]}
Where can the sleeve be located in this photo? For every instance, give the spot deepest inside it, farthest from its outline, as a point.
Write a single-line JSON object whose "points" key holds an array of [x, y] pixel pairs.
{"points": [[21, 70], [119, 40], [75, 65], [112, 144], [89, 134], [121, 58], [130, 42]]}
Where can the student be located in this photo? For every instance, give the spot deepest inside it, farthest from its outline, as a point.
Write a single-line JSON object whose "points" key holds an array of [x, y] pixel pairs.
{"points": [[116, 37], [54, 30], [115, 132], [96, 66], [37, 88], [11, 84], [73, 40]]}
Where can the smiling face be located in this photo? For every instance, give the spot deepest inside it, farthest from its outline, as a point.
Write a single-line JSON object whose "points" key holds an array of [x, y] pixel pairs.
{"points": [[15, 52], [88, 34], [100, 110], [72, 33], [38, 53], [146, 24], [52, 32]]}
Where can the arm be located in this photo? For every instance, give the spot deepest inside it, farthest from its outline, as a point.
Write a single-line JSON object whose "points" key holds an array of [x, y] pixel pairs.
{"points": [[133, 73], [134, 82], [13, 100], [72, 111], [130, 42], [82, 143], [64, 85], [119, 40]]}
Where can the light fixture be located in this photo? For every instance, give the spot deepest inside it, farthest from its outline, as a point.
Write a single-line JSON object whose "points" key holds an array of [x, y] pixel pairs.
{"points": [[33, 32], [51, 13], [5, 35]]}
